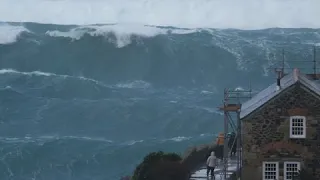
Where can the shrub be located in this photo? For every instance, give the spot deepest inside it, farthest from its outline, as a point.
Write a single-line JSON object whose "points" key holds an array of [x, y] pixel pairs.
{"points": [[160, 165], [169, 170]]}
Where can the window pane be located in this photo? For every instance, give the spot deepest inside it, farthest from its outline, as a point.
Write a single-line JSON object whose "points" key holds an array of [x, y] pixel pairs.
{"points": [[270, 171], [291, 170], [297, 126]]}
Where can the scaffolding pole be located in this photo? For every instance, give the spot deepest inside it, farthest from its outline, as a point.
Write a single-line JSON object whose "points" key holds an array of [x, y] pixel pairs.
{"points": [[225, 145], [232, 104], [239, 147]]}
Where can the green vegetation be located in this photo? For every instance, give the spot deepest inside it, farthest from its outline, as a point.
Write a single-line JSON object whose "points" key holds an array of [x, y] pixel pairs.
{"points": [[160, 166], [171, 166]]}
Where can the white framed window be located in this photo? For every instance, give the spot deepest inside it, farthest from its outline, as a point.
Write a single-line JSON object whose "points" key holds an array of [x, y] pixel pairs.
{"points": [[297, 127], [291, 169], [270, 170]]}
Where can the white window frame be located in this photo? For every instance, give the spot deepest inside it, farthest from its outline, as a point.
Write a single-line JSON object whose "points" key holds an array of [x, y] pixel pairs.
{"points": [[304, 127], [285, 168], [264, 171]]}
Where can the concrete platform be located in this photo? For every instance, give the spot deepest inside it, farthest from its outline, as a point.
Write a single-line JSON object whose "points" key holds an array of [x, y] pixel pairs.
{"points": [[201, 173]]}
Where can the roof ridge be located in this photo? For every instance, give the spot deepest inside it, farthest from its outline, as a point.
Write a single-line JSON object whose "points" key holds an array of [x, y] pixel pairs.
{"points": [[270, 92]]}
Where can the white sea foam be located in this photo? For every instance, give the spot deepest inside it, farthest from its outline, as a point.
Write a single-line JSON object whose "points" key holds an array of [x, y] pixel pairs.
{"points": [[138, 84], [179, 138], [122, 32], [44, 139], [134, 85], [133, 142], [9, 33], [241, 14], [48, 74]]}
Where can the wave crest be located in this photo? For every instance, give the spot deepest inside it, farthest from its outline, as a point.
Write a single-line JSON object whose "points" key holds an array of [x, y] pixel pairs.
{"points": [[243, 14], [123, 33], [9, 34]]}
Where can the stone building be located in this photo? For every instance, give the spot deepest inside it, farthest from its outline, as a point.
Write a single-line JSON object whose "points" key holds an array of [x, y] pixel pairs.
{"points": [[281, 129]]}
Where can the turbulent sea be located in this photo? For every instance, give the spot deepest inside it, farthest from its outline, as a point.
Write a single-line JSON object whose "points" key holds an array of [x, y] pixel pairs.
{"points": [[89, 102]]}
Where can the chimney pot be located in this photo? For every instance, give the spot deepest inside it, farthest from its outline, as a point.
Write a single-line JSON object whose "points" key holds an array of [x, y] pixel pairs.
{"points": [[278, 84]]}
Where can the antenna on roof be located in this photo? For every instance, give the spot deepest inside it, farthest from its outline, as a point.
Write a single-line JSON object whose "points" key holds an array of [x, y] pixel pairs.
{"points": [[250, 89], [313, 69], [314, 62], [280, 71]]}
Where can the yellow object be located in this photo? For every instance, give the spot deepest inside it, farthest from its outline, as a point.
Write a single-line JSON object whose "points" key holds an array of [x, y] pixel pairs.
{"points": [[220, 139]]}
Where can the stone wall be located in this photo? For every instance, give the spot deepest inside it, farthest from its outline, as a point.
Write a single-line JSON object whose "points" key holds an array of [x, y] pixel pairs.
{"points": [[266, 133]]}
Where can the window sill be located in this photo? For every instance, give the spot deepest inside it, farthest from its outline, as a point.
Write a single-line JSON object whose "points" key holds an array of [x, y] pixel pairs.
{"points": [[297, 137]]}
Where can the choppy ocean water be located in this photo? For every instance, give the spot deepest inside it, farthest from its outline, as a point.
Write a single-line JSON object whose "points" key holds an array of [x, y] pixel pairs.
{"points": [[88, 102]]}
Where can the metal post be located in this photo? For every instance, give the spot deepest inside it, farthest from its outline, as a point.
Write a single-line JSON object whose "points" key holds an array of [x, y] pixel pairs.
{"points": [[250, 91], [232, 124], [314, 63], [226, 129], [282, 69], [239, 145], [225, 146]]}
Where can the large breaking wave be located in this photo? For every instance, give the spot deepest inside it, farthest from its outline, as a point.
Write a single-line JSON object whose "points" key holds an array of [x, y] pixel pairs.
{"points": [[85, 102], [241, 14]]}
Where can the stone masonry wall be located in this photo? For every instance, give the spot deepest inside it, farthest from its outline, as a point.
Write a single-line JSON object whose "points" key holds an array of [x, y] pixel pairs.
{"points": [[266, 134]]}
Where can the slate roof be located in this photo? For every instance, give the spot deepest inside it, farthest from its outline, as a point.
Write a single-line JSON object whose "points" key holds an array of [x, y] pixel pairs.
{"points": [[270, 92]]}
